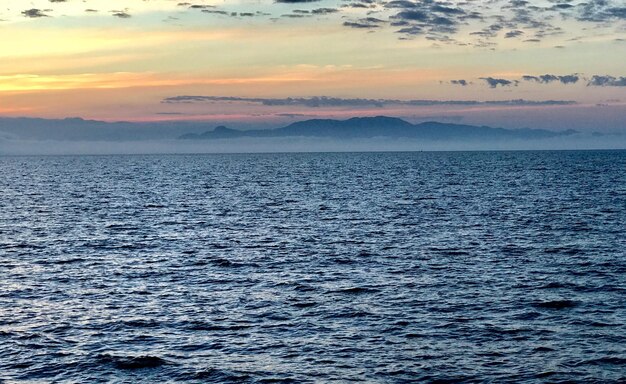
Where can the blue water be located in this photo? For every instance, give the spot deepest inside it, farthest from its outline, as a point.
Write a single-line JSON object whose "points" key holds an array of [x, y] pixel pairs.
{"points": [[375, 267]]}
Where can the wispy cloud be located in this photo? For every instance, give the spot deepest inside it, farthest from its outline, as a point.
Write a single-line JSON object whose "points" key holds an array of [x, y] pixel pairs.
{"points": [[493, 82], [323, 101], [546, 79], [593, 81], [459, 82], [467, 23], [607, 81]]}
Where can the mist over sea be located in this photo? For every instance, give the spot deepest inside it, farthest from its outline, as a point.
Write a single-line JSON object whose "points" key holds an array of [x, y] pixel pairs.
{"points": [[391, 267], [75, 136], [298, 145]]}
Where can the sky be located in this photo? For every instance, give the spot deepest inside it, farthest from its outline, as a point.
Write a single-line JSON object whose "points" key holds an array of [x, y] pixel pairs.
{"points": [[555, 64]]}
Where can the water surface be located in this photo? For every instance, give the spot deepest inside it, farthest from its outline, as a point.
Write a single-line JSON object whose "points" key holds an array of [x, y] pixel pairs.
{"points": [[376, 267]]}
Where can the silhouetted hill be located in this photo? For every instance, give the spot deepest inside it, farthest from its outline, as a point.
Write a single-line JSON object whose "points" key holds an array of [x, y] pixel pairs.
{"points": [[381, 126], [220, 132], [77, 129]]}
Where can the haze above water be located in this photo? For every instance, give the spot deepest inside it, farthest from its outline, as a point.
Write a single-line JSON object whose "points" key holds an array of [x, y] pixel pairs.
{"points": [[77, 136], [377, 267]]}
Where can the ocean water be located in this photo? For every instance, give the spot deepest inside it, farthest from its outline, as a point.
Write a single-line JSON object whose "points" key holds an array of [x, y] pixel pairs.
{"points": [[346, 267]]}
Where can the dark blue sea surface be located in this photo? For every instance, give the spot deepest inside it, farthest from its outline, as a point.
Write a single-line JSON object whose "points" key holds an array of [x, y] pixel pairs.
{"points": [[374, 267]]}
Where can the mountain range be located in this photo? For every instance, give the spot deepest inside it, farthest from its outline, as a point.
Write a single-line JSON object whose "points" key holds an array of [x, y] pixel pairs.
{"points": [[77, 129], [380, 126]]}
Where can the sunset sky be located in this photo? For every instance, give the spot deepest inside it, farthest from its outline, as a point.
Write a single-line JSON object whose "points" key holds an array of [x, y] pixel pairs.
{"points": [[546, 64]]}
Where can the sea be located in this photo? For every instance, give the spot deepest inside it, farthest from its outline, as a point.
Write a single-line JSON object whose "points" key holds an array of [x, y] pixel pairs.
{"points": [[403, 267]]}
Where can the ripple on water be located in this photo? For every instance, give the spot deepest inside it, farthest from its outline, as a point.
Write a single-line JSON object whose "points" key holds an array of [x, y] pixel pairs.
{"points": [[297, 268]]}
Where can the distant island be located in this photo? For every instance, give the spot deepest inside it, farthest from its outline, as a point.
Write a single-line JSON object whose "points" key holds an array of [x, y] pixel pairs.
{"points": [[380, 126], [27, 135], [77, 129]]}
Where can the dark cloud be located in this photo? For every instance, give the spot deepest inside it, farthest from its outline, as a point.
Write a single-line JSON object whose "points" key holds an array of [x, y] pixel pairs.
{"points": [[358, 5], [569, 79], [447, 10], [413, 24], [198, 6], [360, 25], [440, 21], [324, 11], [295, 15], [300, 13], [524, 15], [514, 33], [412, 30], [216, 12], [323, 101], [473, 15], [372, 20], [435, 20], [490, 31], [607, 81], [596, 80], [493, 82], [562, 6], [546, 79], [121, 14], [401, 4], [34, 13], [459, 82], [617, 13], [600, 11], [412, 15], [211, 9]]}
